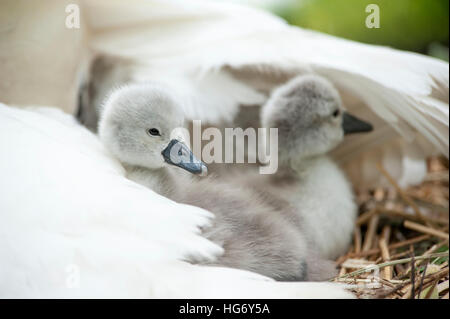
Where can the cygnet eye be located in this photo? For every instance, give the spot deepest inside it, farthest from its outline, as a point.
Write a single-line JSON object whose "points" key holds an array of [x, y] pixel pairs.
{"points": [[154, 132], [336, 113]]}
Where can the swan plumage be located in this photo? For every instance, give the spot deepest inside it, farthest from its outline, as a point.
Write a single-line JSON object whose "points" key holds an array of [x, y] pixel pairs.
{"points": [[220, 56], [254, 232], [235, 56], [230, 56], [67, 210], [311, 122]]}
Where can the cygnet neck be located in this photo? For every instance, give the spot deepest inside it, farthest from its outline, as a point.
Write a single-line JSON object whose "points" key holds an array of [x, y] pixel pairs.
{"points": [[303, 164], [159, 180]]}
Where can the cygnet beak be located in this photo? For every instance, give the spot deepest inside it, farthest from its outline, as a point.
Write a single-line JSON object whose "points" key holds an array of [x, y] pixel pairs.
{"points": [[178, 154], [351, 124]]}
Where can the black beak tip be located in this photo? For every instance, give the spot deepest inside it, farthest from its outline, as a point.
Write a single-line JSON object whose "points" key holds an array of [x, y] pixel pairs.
{"points": [[351, 124], [368, 127]]}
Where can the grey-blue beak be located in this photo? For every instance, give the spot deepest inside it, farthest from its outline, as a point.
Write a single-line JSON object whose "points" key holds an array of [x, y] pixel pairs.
{"points": [[178, 154], [351, 124]]}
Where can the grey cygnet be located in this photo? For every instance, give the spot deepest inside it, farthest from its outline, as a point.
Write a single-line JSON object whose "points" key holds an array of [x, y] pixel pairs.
{"points": [[140, 124]]}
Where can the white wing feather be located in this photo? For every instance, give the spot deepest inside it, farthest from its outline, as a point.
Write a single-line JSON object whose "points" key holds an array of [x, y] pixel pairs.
{"points": [[220, 56]]}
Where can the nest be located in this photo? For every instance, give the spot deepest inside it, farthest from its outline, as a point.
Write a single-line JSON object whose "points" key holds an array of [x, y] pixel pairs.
{"points": [[400, 244]]}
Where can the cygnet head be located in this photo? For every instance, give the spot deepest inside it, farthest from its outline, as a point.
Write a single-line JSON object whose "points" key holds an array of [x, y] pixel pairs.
{"points": [[310, 118], [142, 125]]}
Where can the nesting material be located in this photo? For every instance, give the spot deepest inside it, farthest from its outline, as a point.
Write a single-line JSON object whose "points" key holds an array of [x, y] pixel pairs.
{"points": [[400, 244]]}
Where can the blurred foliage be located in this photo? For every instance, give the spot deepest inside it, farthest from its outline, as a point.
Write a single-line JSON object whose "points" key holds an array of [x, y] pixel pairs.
{"points": [[416, 25], [441, 260]]}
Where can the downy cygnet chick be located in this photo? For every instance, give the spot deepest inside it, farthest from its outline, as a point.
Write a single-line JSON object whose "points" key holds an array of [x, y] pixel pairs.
{"points": [[137, 124], [311, 121]]}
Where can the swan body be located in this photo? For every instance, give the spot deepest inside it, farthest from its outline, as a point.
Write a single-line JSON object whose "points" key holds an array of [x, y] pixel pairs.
{"points": [[231, 57], [74, 226], [321, 198], [325, 199]]}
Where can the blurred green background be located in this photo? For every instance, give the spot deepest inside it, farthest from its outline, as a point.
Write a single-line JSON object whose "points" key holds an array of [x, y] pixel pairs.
{"points": [[414, 25]]}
